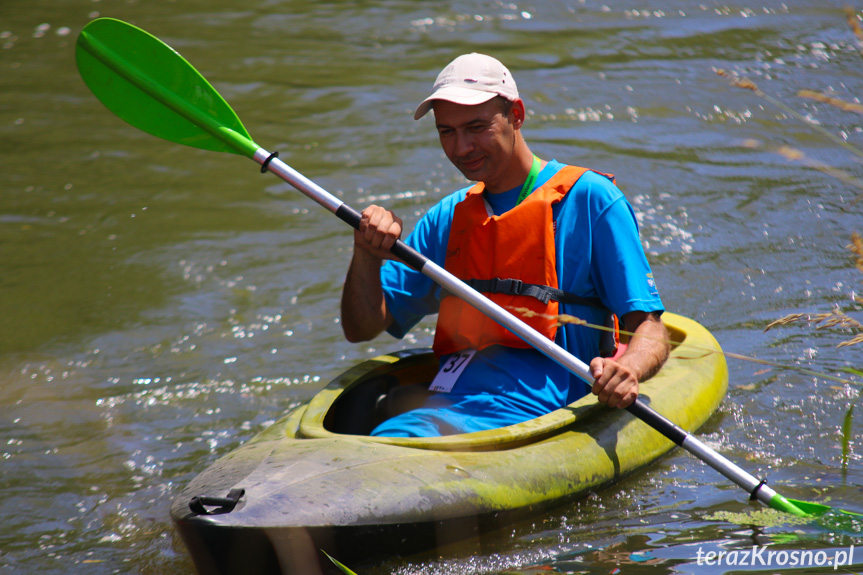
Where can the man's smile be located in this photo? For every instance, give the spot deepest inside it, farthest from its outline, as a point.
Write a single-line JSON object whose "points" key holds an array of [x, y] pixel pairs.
{"points": [[473, 164]]}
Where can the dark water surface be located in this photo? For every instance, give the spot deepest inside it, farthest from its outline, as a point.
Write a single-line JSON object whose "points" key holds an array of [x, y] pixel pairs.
{"points": [[159, 304]]}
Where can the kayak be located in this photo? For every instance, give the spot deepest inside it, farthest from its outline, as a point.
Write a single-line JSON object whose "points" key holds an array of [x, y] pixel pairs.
{"points": [[315, 481]]}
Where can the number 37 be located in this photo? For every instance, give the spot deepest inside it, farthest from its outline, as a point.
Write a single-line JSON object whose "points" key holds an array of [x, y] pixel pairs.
{"points": [[456, 361]]}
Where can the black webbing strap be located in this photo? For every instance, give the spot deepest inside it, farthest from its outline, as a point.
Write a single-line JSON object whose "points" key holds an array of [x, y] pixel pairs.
{"points": [[540, 292], [608, 341]]}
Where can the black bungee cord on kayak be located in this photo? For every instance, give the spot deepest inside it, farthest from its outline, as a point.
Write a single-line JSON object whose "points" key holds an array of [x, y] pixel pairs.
{"points": [[198, 504]]}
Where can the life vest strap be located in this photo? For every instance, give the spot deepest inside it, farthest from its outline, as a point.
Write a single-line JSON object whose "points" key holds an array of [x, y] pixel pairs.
{"points": [[609, 341], [543, 293]]}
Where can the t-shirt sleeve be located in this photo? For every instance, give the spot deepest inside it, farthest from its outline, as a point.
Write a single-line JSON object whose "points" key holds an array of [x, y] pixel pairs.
{"points": [[619, 266], [410, 295]]}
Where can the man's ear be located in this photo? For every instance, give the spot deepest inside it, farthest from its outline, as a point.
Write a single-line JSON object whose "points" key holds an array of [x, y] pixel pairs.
{"points": [[518, 113]]}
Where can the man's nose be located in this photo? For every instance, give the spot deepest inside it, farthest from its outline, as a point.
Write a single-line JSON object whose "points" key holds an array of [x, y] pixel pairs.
{"points": [[464, 144]]}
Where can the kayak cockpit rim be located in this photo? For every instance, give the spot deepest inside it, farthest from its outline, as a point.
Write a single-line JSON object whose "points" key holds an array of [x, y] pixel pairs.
{"points": [[345, 398]]}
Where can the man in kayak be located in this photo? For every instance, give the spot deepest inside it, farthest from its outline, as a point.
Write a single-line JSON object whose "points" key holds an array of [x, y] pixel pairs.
{"points": [[530, 234]]}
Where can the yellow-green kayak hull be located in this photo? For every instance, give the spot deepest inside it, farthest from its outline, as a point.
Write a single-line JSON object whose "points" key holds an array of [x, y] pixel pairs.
{"points": [[314, 481]]}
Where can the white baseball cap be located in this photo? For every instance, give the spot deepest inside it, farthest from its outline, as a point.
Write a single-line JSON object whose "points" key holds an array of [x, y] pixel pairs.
{"points": [[470, 79]]}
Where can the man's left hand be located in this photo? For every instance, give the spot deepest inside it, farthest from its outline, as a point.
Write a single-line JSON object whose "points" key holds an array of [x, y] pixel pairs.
{"points": [[613, 382]]}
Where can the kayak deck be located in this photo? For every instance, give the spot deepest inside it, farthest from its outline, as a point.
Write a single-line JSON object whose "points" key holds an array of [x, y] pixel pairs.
{"points": [[314, 479]]}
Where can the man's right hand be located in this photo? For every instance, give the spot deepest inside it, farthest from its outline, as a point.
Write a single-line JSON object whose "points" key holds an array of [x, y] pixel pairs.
{"points": [[379, 229]]}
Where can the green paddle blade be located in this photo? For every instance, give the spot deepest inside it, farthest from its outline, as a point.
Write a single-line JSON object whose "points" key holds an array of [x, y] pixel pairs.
{"points": [[149, 85], [839, 517], [809, 508], [791, 506], [817, 509]]}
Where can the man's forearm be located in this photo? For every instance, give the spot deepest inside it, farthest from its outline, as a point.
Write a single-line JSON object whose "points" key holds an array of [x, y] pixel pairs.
{"points": [[648, 348], [363, 308]]}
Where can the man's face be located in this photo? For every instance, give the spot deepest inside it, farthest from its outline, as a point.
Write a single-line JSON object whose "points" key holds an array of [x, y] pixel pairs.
{"points": [[479, 140]]}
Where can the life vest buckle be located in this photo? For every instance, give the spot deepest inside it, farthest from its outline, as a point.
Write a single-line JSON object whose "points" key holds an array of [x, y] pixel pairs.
{"points": [[507, 286]]}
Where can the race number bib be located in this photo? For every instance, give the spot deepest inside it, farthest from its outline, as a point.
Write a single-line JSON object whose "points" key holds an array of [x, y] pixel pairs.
{"points": [[451, 370]]}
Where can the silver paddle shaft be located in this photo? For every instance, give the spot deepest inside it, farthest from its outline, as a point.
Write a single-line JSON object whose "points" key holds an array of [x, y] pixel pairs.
{"points": [[430, 269], [547, 347]]}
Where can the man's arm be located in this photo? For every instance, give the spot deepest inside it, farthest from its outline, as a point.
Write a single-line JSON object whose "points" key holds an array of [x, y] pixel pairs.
{"points": [[363, 308], [616, 380]]}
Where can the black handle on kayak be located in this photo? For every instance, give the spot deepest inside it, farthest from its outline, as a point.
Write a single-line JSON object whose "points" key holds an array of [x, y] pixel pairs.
{"points": [[199, 503]]}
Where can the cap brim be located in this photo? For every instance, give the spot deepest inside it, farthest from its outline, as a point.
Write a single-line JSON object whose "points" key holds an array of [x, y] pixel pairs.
{"points": [[457, 95]]}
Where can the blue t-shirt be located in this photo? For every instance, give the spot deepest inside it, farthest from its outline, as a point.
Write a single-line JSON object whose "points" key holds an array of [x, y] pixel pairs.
{"points": [[599, 255]]}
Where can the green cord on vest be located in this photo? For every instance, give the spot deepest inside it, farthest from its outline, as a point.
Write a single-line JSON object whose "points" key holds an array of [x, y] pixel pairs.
{"points": [[527, 188]]}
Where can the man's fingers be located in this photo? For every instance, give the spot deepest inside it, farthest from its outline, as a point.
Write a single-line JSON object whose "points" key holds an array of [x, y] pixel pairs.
{"points": [[613, 385], [379, 229], [596, 367], [372, 228]]}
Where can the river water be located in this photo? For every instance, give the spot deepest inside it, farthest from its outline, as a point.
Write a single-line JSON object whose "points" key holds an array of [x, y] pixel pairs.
{"points": [[159, 305]]}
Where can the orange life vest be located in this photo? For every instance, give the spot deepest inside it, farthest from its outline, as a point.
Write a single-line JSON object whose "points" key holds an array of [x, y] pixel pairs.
{"points": [[518, 244]]}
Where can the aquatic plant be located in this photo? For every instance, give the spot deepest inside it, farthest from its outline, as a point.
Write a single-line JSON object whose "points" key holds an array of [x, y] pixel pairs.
{"points": [[338, 564], [834, 318], [761, 517]]}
